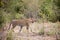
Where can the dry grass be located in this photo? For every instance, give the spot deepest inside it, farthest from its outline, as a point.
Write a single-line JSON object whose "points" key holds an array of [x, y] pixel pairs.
{"points": [[48, 28]]}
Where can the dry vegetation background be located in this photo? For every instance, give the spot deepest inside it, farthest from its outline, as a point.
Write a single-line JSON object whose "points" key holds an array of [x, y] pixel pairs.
{"points": [[46, 12]]}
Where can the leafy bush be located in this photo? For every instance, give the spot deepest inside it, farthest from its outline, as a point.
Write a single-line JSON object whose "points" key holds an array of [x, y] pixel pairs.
{"points": [[47, 11], [1, 19], [9, 35], [41, 31], [51, 32], [19, 16]]}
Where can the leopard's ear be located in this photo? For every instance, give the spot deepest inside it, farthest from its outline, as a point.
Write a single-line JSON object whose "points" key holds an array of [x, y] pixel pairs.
{"points": [[33, 20]]}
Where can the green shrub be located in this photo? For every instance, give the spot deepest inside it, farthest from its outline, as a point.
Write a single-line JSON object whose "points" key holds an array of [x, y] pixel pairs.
{"points": [[19, 16], [52, 32], [1, 19], [9, 35], [41, 31], [47, 11]]}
